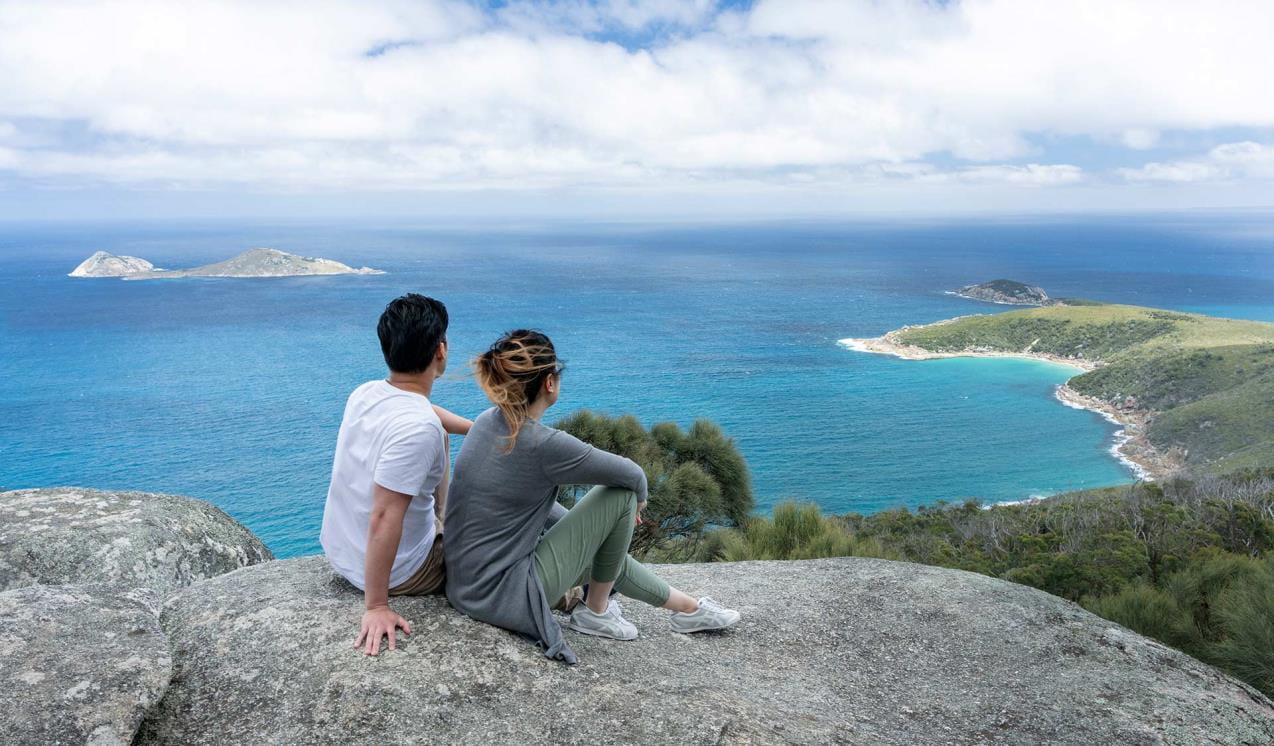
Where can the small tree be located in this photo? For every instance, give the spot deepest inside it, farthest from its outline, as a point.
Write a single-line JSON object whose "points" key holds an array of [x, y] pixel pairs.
{"points": [[697, 478]]}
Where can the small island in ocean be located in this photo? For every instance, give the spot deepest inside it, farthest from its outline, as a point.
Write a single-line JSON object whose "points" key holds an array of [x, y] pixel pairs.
{"points": [[251, 263], [1191, 391], [1007, 292]]}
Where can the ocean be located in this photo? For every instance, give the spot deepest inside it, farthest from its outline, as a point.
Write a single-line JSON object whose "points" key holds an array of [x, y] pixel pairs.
{"points": [[231, 390]]}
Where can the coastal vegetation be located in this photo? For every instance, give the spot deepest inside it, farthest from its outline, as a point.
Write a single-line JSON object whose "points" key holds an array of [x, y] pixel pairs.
{"points": [[1204, 384], [697, 478], [1189, 561]]}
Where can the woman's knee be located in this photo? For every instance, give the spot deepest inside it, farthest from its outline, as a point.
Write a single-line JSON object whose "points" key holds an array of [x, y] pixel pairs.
{"points": [[626, 499]]}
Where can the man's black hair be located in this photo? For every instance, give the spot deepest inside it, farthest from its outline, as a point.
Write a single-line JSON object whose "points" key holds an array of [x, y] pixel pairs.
{"points": [[410, 330]]}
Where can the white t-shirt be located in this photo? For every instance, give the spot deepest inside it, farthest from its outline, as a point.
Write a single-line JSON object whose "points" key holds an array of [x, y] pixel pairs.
{"points": [[392, 438]]}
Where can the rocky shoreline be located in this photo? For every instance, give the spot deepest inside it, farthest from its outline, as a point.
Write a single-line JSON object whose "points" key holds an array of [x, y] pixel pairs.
{"points": [[1131, 447]]}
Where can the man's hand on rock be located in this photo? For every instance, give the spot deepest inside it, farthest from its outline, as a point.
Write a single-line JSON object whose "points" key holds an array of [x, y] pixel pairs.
{"points": [[377, 623]]}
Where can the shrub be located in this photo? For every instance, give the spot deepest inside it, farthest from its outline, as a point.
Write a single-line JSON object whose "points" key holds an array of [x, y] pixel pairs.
{"points": [[796, 531], [1245, 618], [697, 479], [1148, 611]]}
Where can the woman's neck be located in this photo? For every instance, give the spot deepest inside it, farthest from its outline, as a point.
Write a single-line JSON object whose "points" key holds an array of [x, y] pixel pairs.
{"points": [[537, 409]]}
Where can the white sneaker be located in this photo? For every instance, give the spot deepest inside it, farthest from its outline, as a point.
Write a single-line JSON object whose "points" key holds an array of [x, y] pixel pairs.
{"points": [[711, 615], [607, 624]]}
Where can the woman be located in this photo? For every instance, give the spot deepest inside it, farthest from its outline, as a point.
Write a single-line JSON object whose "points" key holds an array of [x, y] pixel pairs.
{"points": [[502, 567]]}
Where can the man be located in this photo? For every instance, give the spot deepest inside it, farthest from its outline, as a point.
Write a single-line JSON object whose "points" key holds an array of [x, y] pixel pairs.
{"points": [[382, 524]]}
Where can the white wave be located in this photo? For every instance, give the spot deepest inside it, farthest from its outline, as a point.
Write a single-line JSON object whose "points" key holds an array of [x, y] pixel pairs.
{"points": [[1121, 436], [1033, 498]]}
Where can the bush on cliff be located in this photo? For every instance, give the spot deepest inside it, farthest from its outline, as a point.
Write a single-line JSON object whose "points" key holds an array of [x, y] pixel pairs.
{"points": [[795, 531], [1220, 610], [697, 478], [1189, 563]]}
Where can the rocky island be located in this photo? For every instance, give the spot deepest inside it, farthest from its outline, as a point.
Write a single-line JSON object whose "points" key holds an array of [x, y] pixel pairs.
{"points": [[251, 263], [169, 623], [1189, 390], [1006, 292], [102, 264]]}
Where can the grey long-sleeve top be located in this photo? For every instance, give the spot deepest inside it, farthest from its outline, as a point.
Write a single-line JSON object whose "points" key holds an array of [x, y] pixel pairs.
{"points": [[497, 507]]}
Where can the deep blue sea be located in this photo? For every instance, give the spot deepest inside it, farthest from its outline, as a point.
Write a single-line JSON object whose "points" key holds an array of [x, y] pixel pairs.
{"points": [[231, 390]]}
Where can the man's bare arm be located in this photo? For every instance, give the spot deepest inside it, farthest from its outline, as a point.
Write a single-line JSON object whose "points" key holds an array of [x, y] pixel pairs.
{"points": [[452, 422], [384, 530]]}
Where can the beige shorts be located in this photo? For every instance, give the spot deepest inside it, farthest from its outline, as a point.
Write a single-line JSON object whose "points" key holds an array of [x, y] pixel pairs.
{"points": [[430, 578]]}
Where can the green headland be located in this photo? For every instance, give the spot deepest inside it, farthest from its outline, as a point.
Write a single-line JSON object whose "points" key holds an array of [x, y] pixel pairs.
{"points": [[1196, 391]]}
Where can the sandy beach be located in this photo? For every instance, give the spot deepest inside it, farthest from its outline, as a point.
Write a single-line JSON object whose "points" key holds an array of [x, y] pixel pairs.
{"points": [[1131, 446]]}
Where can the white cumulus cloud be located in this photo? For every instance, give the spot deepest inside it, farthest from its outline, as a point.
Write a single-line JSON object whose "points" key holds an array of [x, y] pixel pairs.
{"points": [[1238, 160], [442, 94]]}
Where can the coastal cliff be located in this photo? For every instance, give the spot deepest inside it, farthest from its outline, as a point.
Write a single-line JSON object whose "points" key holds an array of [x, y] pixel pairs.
{"points": [[848, 650], [83, 574]]}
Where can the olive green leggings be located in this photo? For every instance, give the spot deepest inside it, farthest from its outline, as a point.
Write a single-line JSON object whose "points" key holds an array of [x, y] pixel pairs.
{"points": [[591, 542]]}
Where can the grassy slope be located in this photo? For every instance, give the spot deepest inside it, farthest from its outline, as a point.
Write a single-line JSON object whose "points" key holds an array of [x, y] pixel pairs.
{"points": [[1211, 380]]}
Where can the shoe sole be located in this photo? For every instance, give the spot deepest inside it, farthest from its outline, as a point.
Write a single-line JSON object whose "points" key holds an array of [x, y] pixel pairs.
{"points": [[707, 629], [598, 633]]}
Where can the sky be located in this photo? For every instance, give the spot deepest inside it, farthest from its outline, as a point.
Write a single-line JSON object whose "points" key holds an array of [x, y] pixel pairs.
{"points": [[623, 108]]}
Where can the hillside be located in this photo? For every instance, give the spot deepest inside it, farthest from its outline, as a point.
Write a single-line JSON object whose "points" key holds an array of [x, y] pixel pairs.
{"points": [[1204, 385]]}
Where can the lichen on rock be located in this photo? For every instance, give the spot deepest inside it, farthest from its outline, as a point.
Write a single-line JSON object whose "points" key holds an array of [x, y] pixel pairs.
{"points": [[81, 664], [65, 535]]}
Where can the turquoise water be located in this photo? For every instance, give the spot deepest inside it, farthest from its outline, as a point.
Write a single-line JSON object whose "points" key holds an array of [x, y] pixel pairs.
{"points": [[231, 390]]}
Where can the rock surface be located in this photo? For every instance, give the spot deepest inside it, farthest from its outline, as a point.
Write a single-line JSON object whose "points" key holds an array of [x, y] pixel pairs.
{"points": [[848, 650], [64, 535], [1009, 292], [79, 664], [102, 264]]}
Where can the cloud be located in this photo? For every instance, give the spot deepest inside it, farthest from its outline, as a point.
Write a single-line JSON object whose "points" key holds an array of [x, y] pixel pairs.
{"points": [[1030, 174], [1237, 160], [441, 94], [1139, 139], [583, 16]]}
